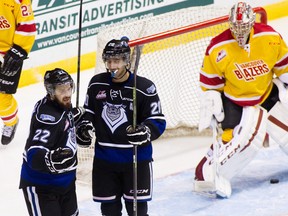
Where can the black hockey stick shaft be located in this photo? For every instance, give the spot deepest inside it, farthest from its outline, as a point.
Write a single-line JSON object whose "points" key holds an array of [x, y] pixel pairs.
{"points": [[79, 54], [135, 179]]}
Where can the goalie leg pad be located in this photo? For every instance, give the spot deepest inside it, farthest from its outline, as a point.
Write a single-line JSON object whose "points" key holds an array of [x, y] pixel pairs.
{"points": [[206, 183], [247, 141], [236, 154], [277, 126]]}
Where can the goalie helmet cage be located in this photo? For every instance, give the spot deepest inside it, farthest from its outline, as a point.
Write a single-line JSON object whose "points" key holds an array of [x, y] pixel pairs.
{"points": [[173, 46]]}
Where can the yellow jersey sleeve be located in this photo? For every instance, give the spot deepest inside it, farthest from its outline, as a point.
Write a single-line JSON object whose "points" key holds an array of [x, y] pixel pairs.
{"points": [[17, 25]]}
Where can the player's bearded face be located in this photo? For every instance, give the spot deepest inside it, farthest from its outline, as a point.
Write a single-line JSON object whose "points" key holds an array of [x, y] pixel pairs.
{"points": [[116, 66], [63, 94]]}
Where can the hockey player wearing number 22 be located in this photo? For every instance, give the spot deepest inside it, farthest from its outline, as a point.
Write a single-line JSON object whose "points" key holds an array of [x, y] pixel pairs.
{"points": [[48, 171], [240, 91], [109, 109], [17, 35]]}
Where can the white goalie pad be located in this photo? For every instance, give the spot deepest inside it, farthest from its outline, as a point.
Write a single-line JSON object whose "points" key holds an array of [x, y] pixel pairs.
{"points": [[247, 141], [236, 154], [277, 126], [283, 91]]}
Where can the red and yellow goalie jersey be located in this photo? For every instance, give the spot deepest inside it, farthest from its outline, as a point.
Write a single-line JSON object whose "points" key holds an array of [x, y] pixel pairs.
{"points": [[17, 25], [245, 75]]}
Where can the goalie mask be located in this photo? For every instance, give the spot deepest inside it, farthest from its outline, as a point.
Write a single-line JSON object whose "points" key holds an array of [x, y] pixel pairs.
{"points": [[117, 51], [55, 78], [241, 21]]}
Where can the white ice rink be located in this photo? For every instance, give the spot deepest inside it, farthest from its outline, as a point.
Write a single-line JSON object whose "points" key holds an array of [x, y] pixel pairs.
{"points": [[175, 161]]}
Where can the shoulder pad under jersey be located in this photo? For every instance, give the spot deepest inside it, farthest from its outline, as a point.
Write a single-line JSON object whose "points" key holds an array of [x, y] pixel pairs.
{"points": [[46, 112]]}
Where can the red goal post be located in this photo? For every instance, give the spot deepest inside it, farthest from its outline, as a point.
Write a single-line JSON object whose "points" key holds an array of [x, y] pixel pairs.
{"points": [[193, 27]]}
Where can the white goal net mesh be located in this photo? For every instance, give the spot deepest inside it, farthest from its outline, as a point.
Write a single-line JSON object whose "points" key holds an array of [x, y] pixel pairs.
{"points": [[172, 63]]}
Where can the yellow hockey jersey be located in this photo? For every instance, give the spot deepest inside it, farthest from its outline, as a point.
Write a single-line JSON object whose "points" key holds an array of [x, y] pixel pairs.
{"points": [[17, 25], [245, 75]]}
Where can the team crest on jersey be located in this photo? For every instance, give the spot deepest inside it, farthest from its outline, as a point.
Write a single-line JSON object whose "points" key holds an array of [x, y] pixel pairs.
{"points": [[221, 55], [71, 142], [4, 23], [101, 95], [114, 115], [248, 71]]}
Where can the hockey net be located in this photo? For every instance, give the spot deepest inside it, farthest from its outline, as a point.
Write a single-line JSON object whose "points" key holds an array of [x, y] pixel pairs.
{"points": [[173, 47]]}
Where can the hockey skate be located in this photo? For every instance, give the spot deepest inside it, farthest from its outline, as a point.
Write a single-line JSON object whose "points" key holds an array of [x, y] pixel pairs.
{"points": [[8, 133]]}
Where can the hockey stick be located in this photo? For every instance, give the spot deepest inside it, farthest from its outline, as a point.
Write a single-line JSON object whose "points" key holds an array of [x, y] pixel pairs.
{"points": [[222, 185], [138, 53], [215, 130], [79, 53]]}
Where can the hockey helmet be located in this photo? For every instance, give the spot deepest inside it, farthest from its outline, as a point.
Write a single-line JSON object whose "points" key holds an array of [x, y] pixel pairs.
{"points": [[117, 49], [55, 77], [241, 21]]}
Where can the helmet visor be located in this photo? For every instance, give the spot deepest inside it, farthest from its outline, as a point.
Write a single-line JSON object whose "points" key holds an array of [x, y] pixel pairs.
{"points": [[64, 89]]}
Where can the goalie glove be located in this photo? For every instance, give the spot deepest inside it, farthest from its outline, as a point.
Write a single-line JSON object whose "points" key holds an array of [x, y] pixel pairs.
{"points": [[60, 160], [13, 60], [84, 133], [210, 105], [138, 136], [77, 112]]}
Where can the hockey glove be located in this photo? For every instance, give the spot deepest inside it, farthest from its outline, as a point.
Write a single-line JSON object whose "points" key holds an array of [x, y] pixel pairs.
{"points": [[138, 136], [60, 160], [84, 133], [13, 60], [77, 113]]}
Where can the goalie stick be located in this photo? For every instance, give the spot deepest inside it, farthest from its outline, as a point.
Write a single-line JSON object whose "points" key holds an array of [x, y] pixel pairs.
{"points": [[209, 188], [138, 54], [215, 131], [222, 185]]}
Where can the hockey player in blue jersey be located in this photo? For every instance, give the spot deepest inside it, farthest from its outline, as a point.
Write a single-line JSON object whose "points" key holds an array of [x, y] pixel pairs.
{"points": [[109, 109], [48, 171]]}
